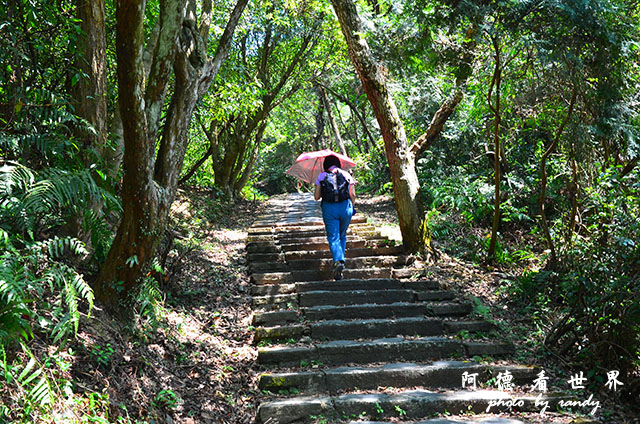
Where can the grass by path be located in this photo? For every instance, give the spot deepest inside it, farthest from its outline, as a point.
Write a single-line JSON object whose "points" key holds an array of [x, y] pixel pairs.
{"points": [[189, 356]]}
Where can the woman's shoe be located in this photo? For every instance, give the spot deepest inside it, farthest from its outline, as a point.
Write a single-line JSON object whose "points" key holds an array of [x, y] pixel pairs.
{"points": [[338, 267]]}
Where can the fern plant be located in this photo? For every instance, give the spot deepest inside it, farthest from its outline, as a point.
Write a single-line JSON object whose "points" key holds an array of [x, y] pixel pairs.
{"points": [[37, 272], [30, 379], [30, 201]]}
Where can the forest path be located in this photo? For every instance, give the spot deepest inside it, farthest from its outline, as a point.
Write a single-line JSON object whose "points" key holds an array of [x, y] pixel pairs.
{"points": [[385, 343]]}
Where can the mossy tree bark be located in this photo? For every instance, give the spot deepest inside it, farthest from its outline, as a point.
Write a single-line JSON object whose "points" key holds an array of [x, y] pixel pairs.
{"points": [[400, 156], [90, 102], [543, 182], [150, 179]]}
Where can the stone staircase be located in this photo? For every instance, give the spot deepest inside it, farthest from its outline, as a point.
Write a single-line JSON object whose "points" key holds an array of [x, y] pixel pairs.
{"points": [[384, 344]]}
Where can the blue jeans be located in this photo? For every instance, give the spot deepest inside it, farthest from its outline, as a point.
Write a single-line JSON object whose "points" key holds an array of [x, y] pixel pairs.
{"points": [[337, 217]]}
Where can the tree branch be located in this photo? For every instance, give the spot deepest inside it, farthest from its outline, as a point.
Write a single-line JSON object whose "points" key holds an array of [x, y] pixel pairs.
{"points": [[437, 124], [212, 67]]}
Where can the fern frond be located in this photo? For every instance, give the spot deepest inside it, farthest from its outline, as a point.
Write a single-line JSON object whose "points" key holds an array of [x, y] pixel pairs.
{"points": [[58, 247], [72, 288], [101, 233], [14, 279], [61, 189], [15, 177], [40, 393], [149, 301]]}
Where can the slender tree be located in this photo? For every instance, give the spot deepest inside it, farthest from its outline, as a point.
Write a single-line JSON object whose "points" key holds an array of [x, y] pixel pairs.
{"points": [[272, 55]]}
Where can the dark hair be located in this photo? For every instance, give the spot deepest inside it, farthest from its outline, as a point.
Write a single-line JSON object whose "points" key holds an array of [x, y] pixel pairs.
{"points": [[330, 161]]}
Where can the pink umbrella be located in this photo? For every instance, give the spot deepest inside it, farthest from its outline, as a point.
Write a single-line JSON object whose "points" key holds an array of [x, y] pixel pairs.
{"points": [[309, 165]]}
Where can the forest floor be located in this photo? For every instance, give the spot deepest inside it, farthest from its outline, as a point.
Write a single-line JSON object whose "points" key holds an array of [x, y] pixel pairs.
{"points": [[192, 359]]}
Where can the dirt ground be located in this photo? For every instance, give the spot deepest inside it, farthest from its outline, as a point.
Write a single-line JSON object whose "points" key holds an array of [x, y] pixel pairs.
{"points": [[198, 364]]}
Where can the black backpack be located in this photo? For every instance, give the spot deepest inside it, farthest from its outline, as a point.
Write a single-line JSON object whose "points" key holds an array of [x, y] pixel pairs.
{"points": [[334, 188]]}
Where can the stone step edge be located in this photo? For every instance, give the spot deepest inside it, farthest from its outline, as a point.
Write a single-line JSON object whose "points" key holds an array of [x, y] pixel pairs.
{"points": [[267, 222], [439, 374], [401, 273], [360, 311], [397, 349], [345, 285], [318, 330], [416, 404], [319, 298], [326, 264], [289, 229]]}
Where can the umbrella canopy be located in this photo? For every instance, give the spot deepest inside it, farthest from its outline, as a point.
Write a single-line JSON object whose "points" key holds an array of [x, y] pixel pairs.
{"points": [[309, 165]]}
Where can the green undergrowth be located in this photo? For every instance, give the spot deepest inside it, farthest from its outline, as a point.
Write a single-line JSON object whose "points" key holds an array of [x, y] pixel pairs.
{"points": [[64, 360]]}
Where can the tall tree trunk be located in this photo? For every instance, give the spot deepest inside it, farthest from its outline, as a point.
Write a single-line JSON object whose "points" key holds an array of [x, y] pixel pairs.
{"points": [[406, 187], [242, 180], [400, 156], [354, 111], [543, 182], [495, 108], [90, 93], [90, 101], [317, 139], [150, 180], [573, 197], [332, 121]]}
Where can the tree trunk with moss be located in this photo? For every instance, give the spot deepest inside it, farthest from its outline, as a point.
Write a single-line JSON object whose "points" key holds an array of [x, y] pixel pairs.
{"points": [[150, 179], [400, 156]]}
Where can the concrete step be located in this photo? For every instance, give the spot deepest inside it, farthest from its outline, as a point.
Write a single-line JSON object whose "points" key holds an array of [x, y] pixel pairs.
{"points": [[478, 419], [302, 241], [309, 227], [414, 404], [354, 242], [349, 274], [396, 349], [261, 278], [261, 238], [328, 297], [358, 229], [355, 297], [350, 253], [368, 328], [327, 264], [364, 311], [440, 374], [266, 257], [274, 302], [263, 247], [428, 289], [273, 318], [355, 329], [274, 266], [361, 311], [368, 284], [352, 263]]}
